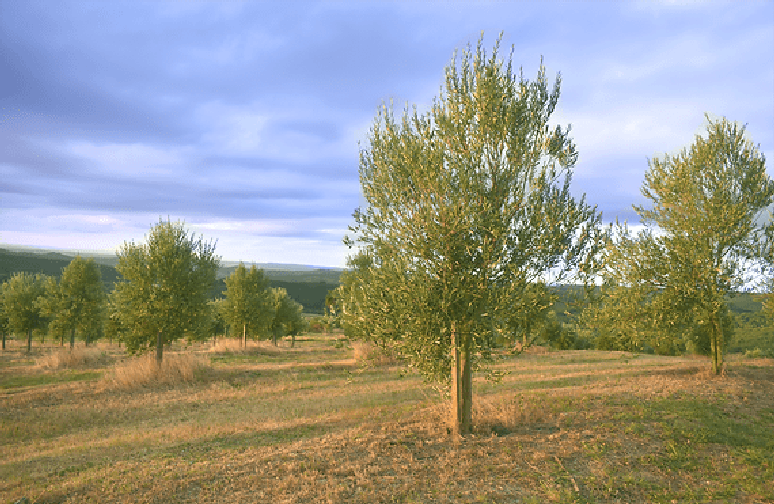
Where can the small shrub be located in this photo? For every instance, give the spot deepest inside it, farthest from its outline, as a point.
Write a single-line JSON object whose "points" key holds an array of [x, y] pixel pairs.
{"points": [[142, 371]]}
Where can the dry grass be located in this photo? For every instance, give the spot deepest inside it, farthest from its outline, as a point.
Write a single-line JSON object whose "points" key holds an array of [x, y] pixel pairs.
{"points": [[144, 372], [77, 358], [292, 426], [228, 345], [369, 354]]}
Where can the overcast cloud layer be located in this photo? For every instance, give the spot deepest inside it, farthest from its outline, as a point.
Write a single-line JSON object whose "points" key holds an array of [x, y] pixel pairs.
{"points": [[243, 119]]}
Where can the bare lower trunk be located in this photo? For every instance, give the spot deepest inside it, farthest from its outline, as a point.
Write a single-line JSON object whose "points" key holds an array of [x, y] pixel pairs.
{"points": [[292, 341], [4, 341], [244, 335], [29, 341], [455, 383], [159, 349], [72, 339], [462, 384], [716, 344]]}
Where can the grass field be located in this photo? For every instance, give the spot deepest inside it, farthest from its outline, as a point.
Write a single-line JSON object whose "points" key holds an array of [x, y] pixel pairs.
{"points": [[315, 424]]}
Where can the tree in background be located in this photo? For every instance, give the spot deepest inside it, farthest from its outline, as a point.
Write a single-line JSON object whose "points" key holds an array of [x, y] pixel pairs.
{"points": [[76, 301], [248, 308], [4, 326], [287, 319], [217, 317], [468, 207], [701, 235], [20, 295], [113, 309], [164, 295]]}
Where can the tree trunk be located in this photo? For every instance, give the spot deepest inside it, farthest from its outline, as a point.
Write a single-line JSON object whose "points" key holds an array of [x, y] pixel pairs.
{"points": [[159, 349], [72, 339], [29, 341], [462, 384], [292, 341], [466, 388], [716, 343], [88, 339], [244, 335], [61, 340], [3, 341], [455, 384]]}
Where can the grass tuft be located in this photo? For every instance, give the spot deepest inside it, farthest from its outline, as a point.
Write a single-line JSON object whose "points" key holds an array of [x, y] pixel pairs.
{"points": [[367, 353], [74, 359], [143, 372]]}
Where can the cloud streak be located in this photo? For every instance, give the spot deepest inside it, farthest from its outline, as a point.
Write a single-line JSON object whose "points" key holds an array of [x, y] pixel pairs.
{"points": [[245, 118]]}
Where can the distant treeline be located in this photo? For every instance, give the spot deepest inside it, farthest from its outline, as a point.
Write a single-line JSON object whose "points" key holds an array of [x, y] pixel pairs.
{"points": [[306, 287]]}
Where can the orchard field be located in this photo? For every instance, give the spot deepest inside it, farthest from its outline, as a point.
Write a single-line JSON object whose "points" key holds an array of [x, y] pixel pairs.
{"points": [[332, 421]]}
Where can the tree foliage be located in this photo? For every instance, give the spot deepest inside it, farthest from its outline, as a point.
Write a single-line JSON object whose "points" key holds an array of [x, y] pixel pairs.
{"points": [[668, 284], [287, 319], [468, 206], [20, 295], [248, 307], [164, 295], [76, 301]]}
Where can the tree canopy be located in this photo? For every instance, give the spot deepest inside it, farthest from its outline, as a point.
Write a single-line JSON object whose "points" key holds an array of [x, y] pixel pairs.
{"points": [[20, 295], [76, 301], [669, 282], [248, 307], [164, 295], [468, 206]]}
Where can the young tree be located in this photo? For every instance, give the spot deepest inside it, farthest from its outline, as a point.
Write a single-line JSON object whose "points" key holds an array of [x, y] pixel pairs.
{"points": [[76, 301], [287, 318], [248, 307], [701, 235], [20, 296], [468, 206], [164, 295]]}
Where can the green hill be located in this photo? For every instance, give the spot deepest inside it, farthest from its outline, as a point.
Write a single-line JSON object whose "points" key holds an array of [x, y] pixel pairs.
{"points": [[306, 285]]}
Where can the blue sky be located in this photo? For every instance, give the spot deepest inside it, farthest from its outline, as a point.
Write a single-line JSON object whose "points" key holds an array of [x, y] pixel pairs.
{"points": [[243, 118]]}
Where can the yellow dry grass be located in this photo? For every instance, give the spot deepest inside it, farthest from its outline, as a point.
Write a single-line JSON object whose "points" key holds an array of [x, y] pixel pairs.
{"points": [[311, 424], [144, 371], [79, 357]]}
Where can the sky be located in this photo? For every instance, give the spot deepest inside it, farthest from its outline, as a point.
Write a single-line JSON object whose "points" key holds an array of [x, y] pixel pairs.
{"points": [[245, 119]]}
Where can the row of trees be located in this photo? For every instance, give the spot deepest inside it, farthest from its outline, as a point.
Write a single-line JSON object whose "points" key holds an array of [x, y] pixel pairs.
{"points": [[161, 298], [470, 218]]}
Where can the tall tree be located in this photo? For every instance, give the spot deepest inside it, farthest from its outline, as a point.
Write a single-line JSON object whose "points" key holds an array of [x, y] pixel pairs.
{"points": [[248, 307], [76, 301], [20, 295], [468, 206], [702, 233], [164, 295]]}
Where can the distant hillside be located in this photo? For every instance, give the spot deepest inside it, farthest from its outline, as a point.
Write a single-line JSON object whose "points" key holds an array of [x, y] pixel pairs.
{"points": [[46, 263], [305, 284]]}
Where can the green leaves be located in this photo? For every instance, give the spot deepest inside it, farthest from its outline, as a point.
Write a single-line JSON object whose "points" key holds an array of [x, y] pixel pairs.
{"points": [[248, 306], [77, 300], [20, 301], [468, 206], [703, 229], [165, 287]]}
